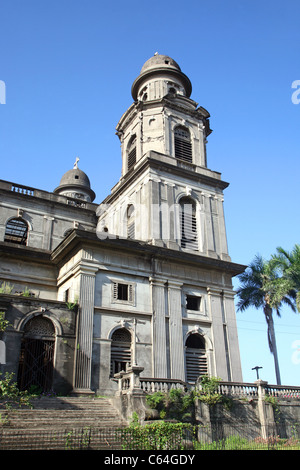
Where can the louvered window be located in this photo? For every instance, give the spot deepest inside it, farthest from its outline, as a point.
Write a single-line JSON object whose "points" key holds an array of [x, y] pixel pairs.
{"points": [[131, 153], [16, 231], [188, 224], [183, 145], [123, 292], [120, 350], [195, 357], [130, 222]]}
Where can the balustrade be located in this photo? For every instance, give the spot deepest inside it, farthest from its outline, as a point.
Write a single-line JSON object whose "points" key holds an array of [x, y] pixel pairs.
{"points": [[131, 380]]}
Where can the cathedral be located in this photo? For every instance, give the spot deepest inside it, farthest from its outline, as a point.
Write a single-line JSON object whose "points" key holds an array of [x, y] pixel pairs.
{"points": [[144, 278]]}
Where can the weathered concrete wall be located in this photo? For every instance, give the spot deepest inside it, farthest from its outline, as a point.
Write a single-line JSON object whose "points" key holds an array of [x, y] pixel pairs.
{"points": [[18, 311]]}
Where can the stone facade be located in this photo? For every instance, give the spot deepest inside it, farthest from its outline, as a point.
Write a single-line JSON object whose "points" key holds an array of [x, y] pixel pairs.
{"points": [[148, 268]]}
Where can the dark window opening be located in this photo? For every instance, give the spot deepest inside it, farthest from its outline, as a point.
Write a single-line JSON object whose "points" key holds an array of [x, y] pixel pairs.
{"points": [[122, 292], [195, 341], [193, 302]]}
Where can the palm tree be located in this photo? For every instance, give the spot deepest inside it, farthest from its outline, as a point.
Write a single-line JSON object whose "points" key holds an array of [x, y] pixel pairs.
{"points": [[263, 287], [289, 264]]}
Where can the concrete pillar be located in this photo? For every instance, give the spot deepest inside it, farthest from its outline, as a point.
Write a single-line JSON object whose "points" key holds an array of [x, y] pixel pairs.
{"points": [[175, 329], [265, 422], [83, 365], [159, 348]]}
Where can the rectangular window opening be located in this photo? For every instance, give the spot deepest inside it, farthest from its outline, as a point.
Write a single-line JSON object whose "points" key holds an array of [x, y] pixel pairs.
{"points": [[122, 291], [193, 302]]}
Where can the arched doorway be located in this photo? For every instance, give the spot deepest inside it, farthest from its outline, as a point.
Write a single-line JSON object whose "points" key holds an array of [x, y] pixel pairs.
{"points": [[120, 350], [195, 357], [37, 355]]}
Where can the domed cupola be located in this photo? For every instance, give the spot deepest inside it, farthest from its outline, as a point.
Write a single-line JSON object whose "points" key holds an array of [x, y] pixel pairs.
{"points": [[75, 183], [158, 76]]}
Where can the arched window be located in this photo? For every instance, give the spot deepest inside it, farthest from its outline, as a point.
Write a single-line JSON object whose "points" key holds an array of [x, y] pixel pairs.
{"points": [[120, 350], [130, 222], [131, 153], [16, 231], [183, 144], [188, 223], [195, 357]]}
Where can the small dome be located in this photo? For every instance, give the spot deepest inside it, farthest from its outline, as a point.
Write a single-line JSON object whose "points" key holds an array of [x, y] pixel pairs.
{"points": [[160, 65], [75, 183], [161, 61], [75, 177]]}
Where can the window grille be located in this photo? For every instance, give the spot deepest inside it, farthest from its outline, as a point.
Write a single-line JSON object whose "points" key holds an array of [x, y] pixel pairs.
{"points": [[183, 145], [16, 231], [188, 222], [195, 356], [131, 153], [120, 350]]}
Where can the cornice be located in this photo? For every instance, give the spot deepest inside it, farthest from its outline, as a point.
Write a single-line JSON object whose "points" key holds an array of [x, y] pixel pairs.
{"points": [[79, 238]]}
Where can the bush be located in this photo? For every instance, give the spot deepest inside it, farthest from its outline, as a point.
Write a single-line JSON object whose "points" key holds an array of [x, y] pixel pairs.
{"points": [[156, 436], [10, 395], [176, 404]]}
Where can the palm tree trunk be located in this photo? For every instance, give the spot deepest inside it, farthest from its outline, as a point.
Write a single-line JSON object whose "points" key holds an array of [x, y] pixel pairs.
{"points": [[272, 341]]}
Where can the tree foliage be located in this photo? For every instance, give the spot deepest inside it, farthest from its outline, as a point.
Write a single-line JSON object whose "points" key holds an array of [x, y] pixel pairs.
{"points": [[269, 284]]}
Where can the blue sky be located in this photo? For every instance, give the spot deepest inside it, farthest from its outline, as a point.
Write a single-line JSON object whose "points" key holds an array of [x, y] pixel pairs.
{"points": [[68, 67]]}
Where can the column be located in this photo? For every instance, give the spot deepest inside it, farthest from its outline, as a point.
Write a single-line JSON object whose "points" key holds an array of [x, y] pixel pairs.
{"points": [[159, 351], [83, 365], [175, 328]]}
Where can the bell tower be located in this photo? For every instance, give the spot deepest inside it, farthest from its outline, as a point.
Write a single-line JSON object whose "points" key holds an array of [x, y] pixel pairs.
{"points": [[175, 200], [163, 118]]}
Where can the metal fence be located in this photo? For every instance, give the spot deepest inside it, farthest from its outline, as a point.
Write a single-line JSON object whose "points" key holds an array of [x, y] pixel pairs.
{"points": [[217, 436]]}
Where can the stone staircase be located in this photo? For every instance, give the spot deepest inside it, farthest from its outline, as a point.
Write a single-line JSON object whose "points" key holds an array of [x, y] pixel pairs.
{"points": [[62, 423]]}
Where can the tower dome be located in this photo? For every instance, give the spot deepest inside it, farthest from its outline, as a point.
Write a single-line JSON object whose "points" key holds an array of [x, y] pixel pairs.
{"points": [[75, 183], [160, 66]]}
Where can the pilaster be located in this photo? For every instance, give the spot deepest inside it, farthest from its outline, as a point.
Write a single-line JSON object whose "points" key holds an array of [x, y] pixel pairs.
{"points": [[83, 365], [217, 325], [175, 329], [159, 328]]}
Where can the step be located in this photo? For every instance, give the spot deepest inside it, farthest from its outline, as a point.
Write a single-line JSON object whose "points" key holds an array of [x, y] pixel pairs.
{"points": [[62, 422], [98, 439]]}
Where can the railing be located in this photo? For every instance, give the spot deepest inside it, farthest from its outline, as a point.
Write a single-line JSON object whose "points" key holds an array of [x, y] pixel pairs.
{"points": [[149, 385], [22, 190], [282, 391], [131, 380], [238, 389]]}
